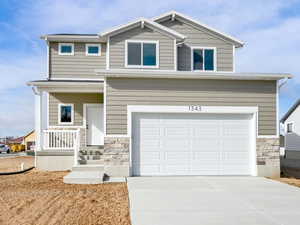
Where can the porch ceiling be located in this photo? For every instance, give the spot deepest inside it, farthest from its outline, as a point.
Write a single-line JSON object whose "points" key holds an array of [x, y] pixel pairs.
{"points": [[76, 86]]}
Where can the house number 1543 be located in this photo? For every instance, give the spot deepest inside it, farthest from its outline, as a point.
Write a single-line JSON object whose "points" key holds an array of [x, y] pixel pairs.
{"points": [[195, 108]]}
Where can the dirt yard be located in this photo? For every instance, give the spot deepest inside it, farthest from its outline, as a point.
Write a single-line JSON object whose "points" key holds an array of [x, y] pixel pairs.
{"points": [[39, 198], [288, 180], [14, 164]]}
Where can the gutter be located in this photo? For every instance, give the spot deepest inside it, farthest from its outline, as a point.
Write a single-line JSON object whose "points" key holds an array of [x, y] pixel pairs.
{"points": [[119, 73]]}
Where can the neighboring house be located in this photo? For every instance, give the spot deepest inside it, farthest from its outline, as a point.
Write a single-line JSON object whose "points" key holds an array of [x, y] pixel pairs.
{"points": [[16, 141], [155, 97], [291, 125], [29, 140]]}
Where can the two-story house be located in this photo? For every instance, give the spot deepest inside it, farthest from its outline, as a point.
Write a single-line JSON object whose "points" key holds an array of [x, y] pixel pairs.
{"points": [[155, 97]]}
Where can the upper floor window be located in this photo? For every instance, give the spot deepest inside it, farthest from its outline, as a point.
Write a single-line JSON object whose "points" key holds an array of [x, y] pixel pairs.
{"points": [[65, 113], [203, 59], [290, 127], [66, 49], [93, 49], [142, 54]]}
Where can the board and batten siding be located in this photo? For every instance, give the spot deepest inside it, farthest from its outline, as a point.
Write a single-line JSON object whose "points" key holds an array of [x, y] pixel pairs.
{"points": [[78, 65], [117, 47], [197, 37], [128, 91], [78, 99]]}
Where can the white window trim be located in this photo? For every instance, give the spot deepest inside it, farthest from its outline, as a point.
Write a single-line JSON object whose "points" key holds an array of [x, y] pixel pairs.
{"points": [[192, 58], [92, 45], [293, 127], [61, 44], [59, 114], [142, 42]]}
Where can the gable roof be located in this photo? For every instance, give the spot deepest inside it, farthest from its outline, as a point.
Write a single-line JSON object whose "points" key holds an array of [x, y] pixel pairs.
{"points": [[291, 110], [174, 14], [28, 134], [142, 22]]}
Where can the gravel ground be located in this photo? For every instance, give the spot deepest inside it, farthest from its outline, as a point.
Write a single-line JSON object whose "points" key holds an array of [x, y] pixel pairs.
{"points": [[14, 163], [39, 198]]}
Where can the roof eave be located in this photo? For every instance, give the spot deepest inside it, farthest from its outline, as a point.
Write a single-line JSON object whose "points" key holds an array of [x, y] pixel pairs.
{"points": [[139, 22], [73, 38], [235, 41], [191, 75]]}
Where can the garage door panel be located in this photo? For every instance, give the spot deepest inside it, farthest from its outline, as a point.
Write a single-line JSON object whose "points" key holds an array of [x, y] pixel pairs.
{"points": [[150, 132], [176, 132], [205, 156], [206, 145], [179, 157], [238, 157], [235, 128], [200, 132], [175, 169], [234, 145], [191, 144], [174, 144], [151, 157]]}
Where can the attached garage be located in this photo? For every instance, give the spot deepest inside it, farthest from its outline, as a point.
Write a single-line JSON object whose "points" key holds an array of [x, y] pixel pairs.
{"points": [[165, 143]]}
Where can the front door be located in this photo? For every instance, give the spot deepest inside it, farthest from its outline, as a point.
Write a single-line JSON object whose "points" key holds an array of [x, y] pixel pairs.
{"points": [[94, 124]]}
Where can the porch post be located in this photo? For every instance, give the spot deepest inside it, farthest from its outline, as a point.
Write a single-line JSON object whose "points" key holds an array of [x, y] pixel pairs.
{"points": [[38, 119]]}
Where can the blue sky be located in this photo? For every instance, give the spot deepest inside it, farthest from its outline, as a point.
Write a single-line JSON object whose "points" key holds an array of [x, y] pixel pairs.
{"points": [[270, 29]]}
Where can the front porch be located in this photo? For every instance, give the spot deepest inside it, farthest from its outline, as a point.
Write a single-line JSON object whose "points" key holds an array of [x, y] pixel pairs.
{"points": [[70, 129]]}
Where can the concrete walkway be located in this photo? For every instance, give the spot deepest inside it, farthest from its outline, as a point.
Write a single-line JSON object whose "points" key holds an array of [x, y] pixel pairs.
{"points": [[212, 201]]}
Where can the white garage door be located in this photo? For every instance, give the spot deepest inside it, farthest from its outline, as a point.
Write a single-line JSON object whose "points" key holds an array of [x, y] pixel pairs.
{"points": [[191, 144]]}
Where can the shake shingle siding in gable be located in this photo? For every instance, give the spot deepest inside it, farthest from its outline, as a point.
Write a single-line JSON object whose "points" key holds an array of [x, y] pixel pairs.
{"points": [[78, 65], [196, 37], [117, 47], [125, 91]]}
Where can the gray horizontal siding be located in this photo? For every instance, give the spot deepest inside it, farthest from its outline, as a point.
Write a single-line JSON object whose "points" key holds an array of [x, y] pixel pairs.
{"points": [[117, 47], [78, 65], [196, 37], [78, 99], [122, 92]]}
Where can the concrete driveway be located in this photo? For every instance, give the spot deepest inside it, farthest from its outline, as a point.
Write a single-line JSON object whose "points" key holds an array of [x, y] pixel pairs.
{"points": [[212, 201]]}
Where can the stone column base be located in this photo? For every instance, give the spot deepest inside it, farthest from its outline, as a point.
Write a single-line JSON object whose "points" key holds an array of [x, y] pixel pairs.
{"points": [[268, 157], [116, 156]]}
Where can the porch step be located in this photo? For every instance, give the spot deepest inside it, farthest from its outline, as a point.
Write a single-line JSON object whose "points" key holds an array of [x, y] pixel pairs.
{"points": [[91, 162], [89, 157], [92, 147], [99, 168], [84, 177], [90, 152]]}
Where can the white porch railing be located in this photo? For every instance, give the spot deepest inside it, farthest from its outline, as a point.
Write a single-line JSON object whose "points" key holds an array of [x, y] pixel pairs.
{"points": [[60, 139]]}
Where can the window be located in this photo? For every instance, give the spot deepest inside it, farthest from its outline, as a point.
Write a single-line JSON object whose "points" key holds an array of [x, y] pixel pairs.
{"points": [[142, 54], [66, 49], [203, 59], [65, 113], [93, 49], [290, 127]]}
